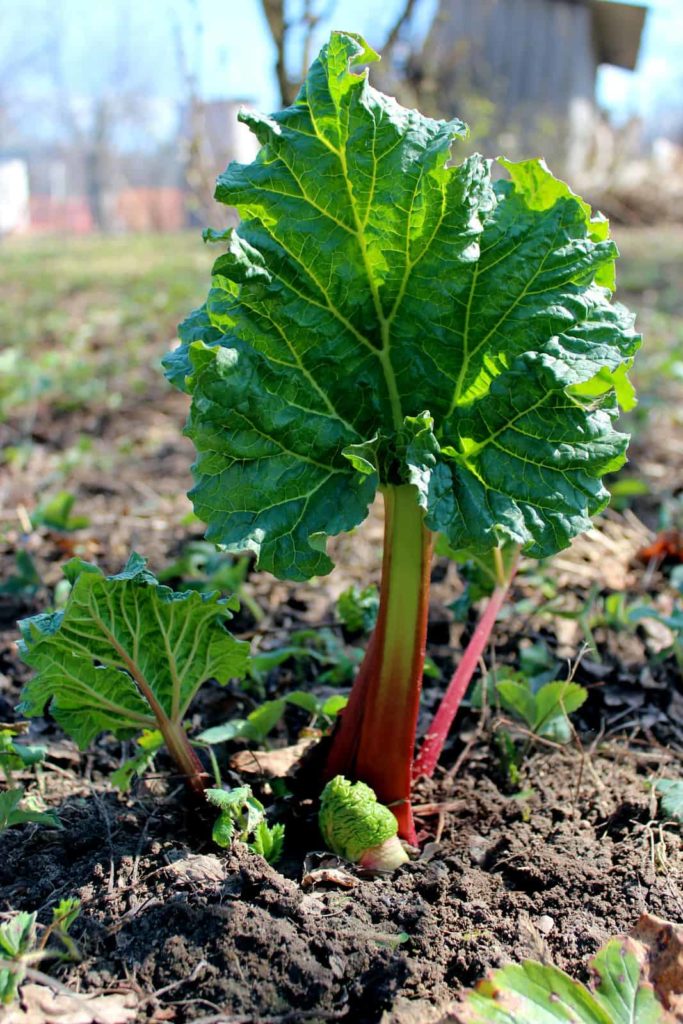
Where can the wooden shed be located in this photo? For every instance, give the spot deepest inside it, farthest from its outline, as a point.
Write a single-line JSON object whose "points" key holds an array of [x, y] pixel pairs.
{"points": [[534, 61]]}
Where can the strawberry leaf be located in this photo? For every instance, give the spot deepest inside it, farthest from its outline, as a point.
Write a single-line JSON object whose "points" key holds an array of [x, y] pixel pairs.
{"points": [[533, 993]]}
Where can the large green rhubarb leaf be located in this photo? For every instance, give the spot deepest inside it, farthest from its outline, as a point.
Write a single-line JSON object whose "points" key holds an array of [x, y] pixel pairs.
{"points": [[533, 993], [380, 317], [125, 654]]}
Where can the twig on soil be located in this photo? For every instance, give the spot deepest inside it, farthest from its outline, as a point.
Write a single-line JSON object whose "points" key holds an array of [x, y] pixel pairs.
{"points": [[101, 807], [138, 850], [664, 754], [291, 1017], [196, 971], [44, 979], [133, 912], [442, 809], [196, 1002], [532, 736]]}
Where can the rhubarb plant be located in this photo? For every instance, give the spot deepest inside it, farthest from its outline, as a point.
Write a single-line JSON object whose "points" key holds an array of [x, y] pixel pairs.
{"points": [[127, 656], [388, 318], [356, 826]]}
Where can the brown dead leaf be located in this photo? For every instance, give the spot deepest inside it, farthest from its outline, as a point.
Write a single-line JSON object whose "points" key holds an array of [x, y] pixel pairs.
{"points": [[196, 869], [16, 728], [329, 876], [270, 763], [663, 942], [40, 1005]]}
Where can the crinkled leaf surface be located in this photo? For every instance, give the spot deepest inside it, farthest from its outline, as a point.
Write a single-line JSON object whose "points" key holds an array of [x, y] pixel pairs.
{"points": [[533, 993], [125, 652], [380, 317]]}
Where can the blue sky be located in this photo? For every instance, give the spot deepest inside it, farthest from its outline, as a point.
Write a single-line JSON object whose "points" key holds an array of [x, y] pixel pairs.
{"points": [[658, 78], [234, 56], [242, 62]]}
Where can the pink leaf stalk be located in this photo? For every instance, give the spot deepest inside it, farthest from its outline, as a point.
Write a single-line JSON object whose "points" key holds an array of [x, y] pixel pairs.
{"points": [[435, 738]]}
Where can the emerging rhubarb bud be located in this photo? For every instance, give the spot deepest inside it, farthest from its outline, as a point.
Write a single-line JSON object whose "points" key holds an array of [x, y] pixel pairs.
{"points": [[355, 826]]}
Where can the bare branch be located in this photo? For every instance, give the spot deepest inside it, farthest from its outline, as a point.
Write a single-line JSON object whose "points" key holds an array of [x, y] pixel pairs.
{"points": [[395, 31], [274, 11]]}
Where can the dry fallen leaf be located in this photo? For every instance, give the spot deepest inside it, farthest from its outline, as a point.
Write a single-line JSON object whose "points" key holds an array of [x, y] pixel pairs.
{"points": [[40, 1005], [328, 876], [196, 869], [272, 763], [664, 961]]}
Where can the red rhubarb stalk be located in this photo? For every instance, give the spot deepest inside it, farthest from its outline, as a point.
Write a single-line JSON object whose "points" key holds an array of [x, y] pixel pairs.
{"points": [[435, 738], [375, 738]]}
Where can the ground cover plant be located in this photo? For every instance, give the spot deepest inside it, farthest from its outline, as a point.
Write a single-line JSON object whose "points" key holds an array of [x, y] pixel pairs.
{"points": [[15, 758], [20, 946], [482, 362]]}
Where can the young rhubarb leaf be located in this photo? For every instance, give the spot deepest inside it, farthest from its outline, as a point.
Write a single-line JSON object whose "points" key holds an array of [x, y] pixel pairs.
{"points": [[243, 817], [356, 826], [127, 654], [385, 316]]}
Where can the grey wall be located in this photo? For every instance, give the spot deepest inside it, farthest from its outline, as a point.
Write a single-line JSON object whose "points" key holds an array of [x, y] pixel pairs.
{"points": [[530, 57]]}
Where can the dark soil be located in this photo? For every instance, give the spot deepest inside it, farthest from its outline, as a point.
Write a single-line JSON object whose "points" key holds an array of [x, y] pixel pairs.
{"points": [[196, 932]]}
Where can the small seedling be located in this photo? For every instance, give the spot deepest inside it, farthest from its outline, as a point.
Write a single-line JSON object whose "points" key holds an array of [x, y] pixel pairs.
{"points": [[11, 813], [17, 942], [148, 744], [335, 661], [260, 722], [545, 711], [510, 759], [670, 793], [26, 581], [16, 758], [243, 817], [55, 514], [202, 568], [357, 608], [21, 947]]}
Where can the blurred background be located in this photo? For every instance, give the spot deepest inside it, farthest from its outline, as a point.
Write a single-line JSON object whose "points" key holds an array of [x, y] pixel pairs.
{"points": [[117, 116], [115, 119]]}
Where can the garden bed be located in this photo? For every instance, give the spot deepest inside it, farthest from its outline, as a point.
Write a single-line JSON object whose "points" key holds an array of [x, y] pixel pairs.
{"points": [[548, 868], [191, 931]]}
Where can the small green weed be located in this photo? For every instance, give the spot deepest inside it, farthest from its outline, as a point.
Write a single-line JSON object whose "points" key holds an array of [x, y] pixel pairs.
{"points": [[21, 945], [243, 817]]}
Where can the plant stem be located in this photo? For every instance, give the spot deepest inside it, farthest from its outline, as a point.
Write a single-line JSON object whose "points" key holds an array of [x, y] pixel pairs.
{"points": [[185, 757], [435, 737], [375, 737]]}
